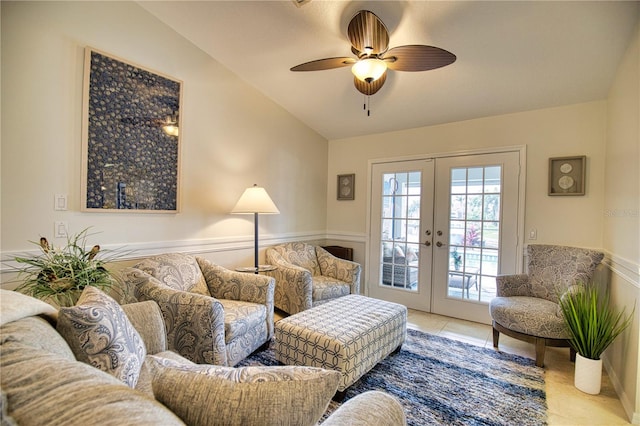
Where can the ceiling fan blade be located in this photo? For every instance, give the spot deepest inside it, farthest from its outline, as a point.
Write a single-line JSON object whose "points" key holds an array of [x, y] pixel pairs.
{"points": [[370, 88], [324, 64], [368, 34], [418, 57]]}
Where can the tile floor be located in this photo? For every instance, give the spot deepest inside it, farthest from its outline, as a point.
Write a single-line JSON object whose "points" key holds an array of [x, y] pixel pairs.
{"points": [[566, 404]]}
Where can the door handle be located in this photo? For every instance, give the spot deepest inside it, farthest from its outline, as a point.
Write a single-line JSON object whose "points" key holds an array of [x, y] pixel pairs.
{"points": [[427, 243], [439, 244]]}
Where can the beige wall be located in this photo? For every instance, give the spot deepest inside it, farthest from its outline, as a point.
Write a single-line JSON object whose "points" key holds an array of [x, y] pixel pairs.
{"points": [[564, 131], [621, 227], [607, 217], [232, 137]]}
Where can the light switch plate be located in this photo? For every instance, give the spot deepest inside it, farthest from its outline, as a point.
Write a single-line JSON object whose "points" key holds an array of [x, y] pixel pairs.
{"points": [[60, 202], [60, 229]]}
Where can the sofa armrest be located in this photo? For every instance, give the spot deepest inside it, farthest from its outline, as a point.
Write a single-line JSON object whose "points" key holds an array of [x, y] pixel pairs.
{"points": [[513, 285], [372, 408], [294, 284], [224, 283], [341, 269], [194, 322], [146, 318]]}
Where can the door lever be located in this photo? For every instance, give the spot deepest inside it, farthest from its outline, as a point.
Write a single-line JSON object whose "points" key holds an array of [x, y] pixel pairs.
{"points": [[439, 244]]}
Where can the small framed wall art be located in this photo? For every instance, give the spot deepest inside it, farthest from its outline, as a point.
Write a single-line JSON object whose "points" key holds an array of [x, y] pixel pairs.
{"points": [[346, 187], [567, 175]]}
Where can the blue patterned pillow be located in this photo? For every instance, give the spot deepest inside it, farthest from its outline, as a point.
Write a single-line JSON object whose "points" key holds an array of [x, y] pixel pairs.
{"points": [[100, 334]]}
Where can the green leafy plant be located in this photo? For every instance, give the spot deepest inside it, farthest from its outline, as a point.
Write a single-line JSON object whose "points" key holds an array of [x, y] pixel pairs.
{"points": [[592, 322], [60, 274], [457, 258]]}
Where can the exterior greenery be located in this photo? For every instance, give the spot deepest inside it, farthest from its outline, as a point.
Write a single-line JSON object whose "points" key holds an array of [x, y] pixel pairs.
{"points": [[60, 274], [591, 320]]}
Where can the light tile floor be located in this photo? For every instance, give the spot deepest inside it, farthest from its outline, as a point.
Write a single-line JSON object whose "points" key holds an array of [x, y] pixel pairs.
{"points": [[566, 404]]}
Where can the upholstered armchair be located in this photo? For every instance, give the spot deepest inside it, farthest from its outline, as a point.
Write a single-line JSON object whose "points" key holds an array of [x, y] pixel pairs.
{"points": [[212, 315], [526, 306], [308, 275]]}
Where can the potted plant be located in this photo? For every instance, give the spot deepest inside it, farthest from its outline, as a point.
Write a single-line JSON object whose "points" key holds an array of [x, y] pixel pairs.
{"points": [[59, 275], [593, 325], [457, 259]]}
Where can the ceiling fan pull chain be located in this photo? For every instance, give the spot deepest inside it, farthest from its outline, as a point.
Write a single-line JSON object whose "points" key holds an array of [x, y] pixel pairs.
{"points": [[368, 110]]}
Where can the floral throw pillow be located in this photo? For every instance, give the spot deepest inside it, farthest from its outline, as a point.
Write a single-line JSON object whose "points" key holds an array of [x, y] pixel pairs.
{"points": [[100, 334]]}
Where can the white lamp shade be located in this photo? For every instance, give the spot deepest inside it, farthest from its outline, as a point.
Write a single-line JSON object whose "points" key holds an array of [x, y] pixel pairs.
{"points": [[369, 69], [255, 200]]}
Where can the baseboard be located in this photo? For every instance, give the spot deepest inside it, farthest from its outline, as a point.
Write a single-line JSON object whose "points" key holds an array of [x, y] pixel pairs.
{"points": [[627, 404]]}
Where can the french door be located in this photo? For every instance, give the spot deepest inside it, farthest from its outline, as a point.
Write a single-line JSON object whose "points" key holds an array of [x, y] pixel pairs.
{"points": [[442, 229], [401, 215]]}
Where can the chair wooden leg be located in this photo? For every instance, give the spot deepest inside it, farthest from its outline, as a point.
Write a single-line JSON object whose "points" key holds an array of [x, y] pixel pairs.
{"points": [[540, 347], [496, 337]]}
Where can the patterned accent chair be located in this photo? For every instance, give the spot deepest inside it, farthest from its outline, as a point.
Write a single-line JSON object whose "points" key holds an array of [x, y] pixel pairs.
{"points": [[308, 275], [213, 315], [526, 306]]}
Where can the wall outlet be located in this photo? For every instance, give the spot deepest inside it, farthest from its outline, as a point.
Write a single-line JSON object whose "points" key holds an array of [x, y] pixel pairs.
{"points": [[533, 234], [60, 229]]}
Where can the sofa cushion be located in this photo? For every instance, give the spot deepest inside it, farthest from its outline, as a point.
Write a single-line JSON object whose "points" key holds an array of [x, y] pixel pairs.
{"points": [[148, 368], [100, 334], [176, 270], [371, 408], [43, 388], [552, 269], [301, 254], [327, 288], [36, 332], [241, 316], [286, 395], [15, 306], [529, 315]]}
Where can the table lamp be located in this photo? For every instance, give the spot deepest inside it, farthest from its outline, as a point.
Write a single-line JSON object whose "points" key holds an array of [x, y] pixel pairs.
{"points": [[255, 200]]}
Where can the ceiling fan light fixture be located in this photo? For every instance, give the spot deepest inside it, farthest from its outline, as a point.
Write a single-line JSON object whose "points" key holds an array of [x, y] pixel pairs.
{"points": [[369, 70]]}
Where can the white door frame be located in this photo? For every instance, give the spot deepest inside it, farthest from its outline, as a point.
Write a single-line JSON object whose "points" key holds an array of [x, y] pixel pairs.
{"points": [[521, 149]]}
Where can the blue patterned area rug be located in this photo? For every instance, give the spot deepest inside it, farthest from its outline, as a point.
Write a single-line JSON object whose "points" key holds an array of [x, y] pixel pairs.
{"points": [[441, 381]]}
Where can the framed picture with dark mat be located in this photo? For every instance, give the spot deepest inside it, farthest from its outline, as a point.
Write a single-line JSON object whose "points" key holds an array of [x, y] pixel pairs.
{"points": [[130, 137], [567, 175], [346, 187]]}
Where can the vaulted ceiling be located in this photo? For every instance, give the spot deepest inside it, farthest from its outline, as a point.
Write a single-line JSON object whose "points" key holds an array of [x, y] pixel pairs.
{"points": [[511, 55]]}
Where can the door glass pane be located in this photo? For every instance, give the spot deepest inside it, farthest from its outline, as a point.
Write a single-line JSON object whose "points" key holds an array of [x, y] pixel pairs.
{"points": [[400, 230], [474, 229]]}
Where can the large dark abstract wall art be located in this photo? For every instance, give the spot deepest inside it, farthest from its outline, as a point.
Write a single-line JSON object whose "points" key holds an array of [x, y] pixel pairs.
{"points": [[131, 137]]}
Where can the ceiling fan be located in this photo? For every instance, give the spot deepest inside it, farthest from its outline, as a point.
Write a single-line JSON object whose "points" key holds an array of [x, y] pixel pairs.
{"points": [[369, 39]]}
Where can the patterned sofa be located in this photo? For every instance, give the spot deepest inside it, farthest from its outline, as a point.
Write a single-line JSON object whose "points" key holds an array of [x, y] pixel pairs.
{"points": [[308, 275], [129, 376], [526, 306], [213, 315]]}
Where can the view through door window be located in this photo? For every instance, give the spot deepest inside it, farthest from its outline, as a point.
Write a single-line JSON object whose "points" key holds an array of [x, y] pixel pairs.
{"points": [[400, 230], [474, 232]]}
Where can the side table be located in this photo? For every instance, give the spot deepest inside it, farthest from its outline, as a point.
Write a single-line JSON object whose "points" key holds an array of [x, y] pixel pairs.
{"points": [[252, 269]]}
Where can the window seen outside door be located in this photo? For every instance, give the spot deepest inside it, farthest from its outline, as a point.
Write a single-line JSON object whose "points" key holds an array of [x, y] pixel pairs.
{"points": [[474, 233], [400, 236]]}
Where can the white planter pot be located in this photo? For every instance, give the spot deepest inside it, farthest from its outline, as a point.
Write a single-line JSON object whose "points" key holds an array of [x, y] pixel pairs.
{"points": [[588, 375]]}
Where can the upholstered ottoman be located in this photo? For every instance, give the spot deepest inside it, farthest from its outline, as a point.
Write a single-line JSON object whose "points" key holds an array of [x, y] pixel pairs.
{"points": [[350, 334]]}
